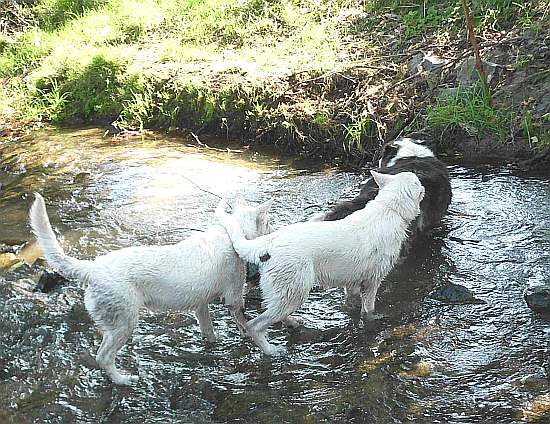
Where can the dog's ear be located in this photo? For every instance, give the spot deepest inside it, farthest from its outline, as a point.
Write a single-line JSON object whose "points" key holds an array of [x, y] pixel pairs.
{"points": [[381, 179], [265, 206]]}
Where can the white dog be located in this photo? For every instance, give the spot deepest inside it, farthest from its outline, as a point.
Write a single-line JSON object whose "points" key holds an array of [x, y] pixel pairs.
{"points": [[184, 276], [356, 252]]}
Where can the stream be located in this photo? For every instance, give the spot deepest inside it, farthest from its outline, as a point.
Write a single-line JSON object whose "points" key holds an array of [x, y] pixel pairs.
{"points": [[426, 361]]}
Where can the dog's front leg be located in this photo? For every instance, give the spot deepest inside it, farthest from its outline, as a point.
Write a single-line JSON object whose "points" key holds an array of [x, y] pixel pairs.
{"points": [[353, 296], [368, 297], [205, 323]]}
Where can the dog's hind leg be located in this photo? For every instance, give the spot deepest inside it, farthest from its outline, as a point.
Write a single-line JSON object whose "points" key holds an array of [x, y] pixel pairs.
{"points": [[257, 330], [205, 323], [284, 292], [113, 340], [115, 309]]}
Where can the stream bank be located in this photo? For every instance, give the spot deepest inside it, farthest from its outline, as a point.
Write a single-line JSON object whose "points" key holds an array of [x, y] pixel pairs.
{"points": [[319, 80]]}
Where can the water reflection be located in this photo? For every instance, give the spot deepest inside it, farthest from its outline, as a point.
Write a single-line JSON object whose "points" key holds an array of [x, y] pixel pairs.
{"points": [[424, 362]]}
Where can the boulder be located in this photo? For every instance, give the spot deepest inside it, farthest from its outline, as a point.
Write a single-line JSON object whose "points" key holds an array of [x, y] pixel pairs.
{"points": [[455, 294], [48, 281], [467, 75], [425, 62], [538, 298]]}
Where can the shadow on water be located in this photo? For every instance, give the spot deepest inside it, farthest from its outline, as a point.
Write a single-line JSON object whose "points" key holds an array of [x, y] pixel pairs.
{"points": [[425, 361]]}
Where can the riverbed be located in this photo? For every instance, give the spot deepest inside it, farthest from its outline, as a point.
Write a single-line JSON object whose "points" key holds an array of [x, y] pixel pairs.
{"points": [[425, 361]]}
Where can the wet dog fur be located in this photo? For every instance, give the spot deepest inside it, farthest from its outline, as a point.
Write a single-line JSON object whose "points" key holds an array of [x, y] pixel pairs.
{"points": [[356, 252], [185, 276], [405, 155]]}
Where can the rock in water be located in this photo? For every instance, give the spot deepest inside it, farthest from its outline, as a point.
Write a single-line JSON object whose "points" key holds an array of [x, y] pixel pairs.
{"points": [[48, 281], [455, 294], [538, 298]]}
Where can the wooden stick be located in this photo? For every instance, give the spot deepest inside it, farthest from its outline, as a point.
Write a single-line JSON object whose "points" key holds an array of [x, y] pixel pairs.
{"points": [[475, 46]]}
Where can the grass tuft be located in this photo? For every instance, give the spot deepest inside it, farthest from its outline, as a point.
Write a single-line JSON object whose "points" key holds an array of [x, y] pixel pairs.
{"points": [[470, 110]]}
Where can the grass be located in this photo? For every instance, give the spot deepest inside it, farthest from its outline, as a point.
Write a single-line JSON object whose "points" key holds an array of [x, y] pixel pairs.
{"points": [[470, 110], [231, 66]]}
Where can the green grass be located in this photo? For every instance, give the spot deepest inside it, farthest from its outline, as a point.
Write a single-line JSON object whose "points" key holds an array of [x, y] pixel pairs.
{"points": [[91, 50], [213, 64], [470, 110]]}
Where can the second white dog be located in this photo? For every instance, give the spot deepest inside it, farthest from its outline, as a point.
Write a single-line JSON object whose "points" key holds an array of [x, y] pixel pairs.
{"points": [[184, 276], [356, 252]]}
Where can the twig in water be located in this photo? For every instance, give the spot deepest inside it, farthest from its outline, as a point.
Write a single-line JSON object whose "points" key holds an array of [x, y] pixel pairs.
{"points": [[199, 187], [206, 146], [313, 206], [199, 142]]}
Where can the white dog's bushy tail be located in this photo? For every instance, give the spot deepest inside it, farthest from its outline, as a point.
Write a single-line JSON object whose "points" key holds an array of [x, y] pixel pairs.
{"points": [[249, 250], [42, 229]]}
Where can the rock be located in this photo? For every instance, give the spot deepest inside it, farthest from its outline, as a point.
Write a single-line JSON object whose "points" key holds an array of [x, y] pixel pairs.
{"points": [[112, 129], [446, 93], [455, 294], [538, 298], [48, 281], [425, 62], [467, 74], [9, 262], [81, 178]]}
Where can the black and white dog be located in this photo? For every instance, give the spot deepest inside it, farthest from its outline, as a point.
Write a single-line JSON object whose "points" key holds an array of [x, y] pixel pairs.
{"points": [[401, 155]]}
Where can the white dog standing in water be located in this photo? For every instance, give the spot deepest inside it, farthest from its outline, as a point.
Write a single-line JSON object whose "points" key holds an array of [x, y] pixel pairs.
{"points": [[184, 276], [356, 252]]}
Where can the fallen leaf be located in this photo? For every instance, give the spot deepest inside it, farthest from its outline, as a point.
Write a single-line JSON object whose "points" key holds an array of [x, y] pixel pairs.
{"points": [[9, 262], [420, 369], [30, 253]]}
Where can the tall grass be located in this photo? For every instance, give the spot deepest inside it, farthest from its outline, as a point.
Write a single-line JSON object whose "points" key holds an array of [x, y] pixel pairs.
{"points": [[470, 110]]}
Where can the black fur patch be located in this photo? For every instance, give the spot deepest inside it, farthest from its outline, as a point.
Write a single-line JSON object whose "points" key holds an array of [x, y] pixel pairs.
{"points": [[265, 257], [389, 151], [433, 175]]}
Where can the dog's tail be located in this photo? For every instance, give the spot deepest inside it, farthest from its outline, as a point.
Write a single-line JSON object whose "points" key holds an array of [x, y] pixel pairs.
{"points": [[42, 229], [250, 250]]}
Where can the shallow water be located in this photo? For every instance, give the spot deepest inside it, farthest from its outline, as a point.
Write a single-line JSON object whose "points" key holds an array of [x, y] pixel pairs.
{"points": [[425, 361]]}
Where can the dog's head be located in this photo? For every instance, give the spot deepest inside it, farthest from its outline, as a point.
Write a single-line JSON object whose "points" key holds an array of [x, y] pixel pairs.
{"points": [[403, 148], [253, 219], [402, 191]]}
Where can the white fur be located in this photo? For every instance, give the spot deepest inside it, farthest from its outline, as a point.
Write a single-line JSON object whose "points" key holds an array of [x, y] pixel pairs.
{"points": [[409, 148], [356, 252], [184, 276]]}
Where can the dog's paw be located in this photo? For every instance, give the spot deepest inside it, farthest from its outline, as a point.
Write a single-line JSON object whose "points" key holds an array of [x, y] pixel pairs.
{"points": [[210, 338], [371, 316], [273, 350], [126, 380], [293, 321]]}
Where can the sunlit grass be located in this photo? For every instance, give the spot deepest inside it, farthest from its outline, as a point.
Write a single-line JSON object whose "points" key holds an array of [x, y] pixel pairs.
{"points": [[143, 61]]}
